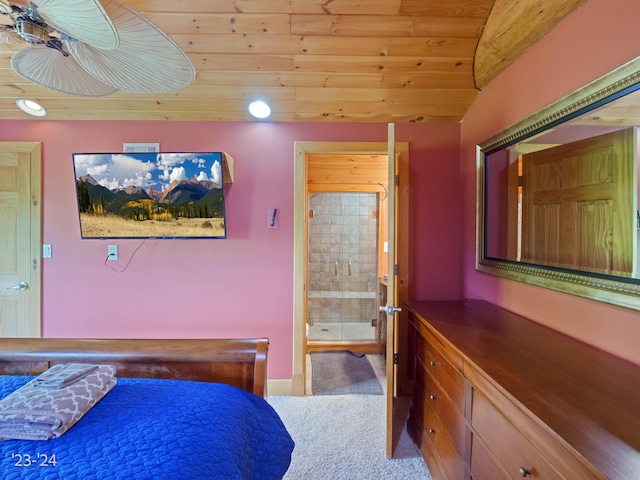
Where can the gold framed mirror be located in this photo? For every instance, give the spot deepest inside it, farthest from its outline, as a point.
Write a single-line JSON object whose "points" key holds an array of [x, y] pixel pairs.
{"points": [[557, 194]]}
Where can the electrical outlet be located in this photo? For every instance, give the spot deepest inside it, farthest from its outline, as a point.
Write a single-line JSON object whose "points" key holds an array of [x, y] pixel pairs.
{"points": [[112, 252]]}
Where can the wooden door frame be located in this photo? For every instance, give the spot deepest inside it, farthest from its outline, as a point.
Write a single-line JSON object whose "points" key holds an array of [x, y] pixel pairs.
{"points": [[300, 208]]}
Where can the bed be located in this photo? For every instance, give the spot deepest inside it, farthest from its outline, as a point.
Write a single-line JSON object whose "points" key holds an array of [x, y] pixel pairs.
{"points": [[181, 409]]}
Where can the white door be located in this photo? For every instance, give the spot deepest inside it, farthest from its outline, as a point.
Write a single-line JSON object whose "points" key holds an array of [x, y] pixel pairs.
{"points": [[20, 259]]}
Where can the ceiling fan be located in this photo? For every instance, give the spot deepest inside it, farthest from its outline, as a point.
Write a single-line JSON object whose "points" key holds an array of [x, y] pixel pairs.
{"points": [[92, 47]]}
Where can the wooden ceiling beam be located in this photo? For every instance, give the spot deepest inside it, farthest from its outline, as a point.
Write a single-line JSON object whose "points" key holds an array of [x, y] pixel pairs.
{"points": [[512, 27]]}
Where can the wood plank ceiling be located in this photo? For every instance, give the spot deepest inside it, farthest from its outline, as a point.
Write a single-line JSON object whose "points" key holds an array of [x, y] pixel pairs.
{"points": [[318, 60]]}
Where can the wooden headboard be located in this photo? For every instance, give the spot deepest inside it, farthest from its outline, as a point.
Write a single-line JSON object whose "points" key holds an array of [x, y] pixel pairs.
{"points": [[238, 362]]}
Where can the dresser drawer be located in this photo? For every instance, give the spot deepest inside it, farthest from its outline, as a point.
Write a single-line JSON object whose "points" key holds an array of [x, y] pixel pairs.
{"points": [[483, 465], [506, 444], [448, 376], [436, 435], [444, 349], [429, 454], [449, 415]]}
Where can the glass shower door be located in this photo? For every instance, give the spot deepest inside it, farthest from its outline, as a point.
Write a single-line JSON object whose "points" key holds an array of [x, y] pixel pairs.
{"points": [[343, 269]]}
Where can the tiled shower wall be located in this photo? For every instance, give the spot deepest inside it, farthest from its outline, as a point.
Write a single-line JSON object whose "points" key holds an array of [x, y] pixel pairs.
{"points": [[343, 256]]}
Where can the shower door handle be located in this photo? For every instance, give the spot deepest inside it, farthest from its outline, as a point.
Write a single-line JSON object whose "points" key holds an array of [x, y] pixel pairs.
{"points": [[389, 310], [349, 267], [335, 269]]}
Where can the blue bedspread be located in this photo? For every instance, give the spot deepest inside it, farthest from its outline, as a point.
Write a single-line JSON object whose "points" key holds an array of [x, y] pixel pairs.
{"points": [[158, 430]]}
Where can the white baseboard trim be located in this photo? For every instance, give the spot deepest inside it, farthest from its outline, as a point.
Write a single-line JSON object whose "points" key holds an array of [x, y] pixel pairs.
{"points": [[280, 387]]}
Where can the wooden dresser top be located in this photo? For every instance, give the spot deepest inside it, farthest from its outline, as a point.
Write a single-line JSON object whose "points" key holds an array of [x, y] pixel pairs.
{"points": [[588, 397]]}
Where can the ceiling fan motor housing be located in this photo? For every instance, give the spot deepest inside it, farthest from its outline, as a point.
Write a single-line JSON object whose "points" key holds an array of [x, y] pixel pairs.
{"points": [[31, 30]]}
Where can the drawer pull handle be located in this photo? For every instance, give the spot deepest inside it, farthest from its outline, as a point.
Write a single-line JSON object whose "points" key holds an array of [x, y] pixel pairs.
{"points": [[432, 363], [432, 397], [432, 431], [524, 472]]}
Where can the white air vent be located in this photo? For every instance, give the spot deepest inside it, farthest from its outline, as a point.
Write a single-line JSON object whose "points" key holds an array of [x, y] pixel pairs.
{"points": [[140, 147]]}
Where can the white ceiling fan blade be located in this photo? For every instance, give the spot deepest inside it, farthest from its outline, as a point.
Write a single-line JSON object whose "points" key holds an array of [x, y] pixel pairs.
{"points": [[10, 37], [5, 7], [49, 68], [146, 61], [84, 20]]}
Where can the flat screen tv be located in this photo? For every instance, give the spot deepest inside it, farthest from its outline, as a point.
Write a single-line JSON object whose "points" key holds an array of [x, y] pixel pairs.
{"points": [[150, 195]]}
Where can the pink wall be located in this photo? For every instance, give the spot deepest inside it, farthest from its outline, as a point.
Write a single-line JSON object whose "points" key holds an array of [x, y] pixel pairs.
{"points": [[241, 286], [599, 36]]}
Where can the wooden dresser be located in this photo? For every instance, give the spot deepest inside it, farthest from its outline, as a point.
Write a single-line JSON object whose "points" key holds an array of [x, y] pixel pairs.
{"points": [[498, 396]]}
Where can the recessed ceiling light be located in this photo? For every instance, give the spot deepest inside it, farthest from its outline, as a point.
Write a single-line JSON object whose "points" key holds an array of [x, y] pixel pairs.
{"points": [[31, 107], [259, 109]]}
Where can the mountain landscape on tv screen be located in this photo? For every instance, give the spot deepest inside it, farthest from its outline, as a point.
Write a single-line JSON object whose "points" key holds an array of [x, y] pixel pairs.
{"points": [[185, 207]]}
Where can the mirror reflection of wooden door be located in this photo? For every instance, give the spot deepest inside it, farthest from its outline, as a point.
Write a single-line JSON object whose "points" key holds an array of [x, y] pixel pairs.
{"points": [[579, 205], [20, 239]]}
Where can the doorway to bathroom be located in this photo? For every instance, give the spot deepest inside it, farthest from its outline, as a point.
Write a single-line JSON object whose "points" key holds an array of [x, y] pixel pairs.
{"points": [[345, 224], [376, 167], [343, 272]]}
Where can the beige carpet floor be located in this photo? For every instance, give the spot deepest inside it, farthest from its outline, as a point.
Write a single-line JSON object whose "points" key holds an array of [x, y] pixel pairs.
{"points": [[342, 437]]}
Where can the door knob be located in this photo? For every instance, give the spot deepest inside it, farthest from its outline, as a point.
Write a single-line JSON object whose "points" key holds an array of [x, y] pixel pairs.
{"points": [[20, 286], [390, 310]]}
